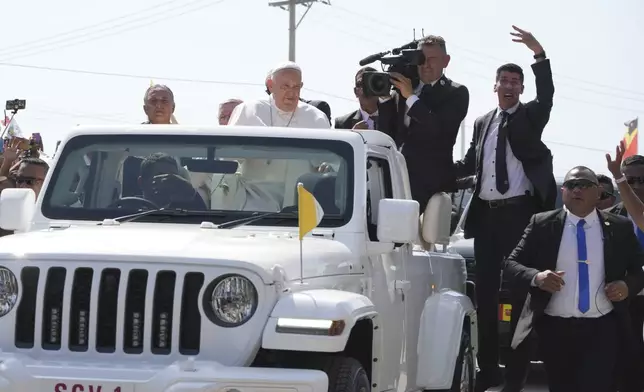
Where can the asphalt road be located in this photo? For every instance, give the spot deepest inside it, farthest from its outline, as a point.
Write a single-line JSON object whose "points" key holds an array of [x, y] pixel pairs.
{"points": [[536, 380]]}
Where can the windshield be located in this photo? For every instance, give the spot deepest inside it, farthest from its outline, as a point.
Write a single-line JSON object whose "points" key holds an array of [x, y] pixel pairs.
{"points": [[107, 176]]}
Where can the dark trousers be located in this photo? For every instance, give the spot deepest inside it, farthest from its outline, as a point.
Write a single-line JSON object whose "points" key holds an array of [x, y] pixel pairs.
{"points": [[579, 354], [497, 233], [631, 357]]}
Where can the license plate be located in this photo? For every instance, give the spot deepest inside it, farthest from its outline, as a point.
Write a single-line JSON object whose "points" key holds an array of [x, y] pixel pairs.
{"points": [[85, 386], [505, 312]]}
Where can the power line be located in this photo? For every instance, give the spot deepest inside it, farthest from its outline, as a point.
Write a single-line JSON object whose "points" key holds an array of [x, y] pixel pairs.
{"points": [[383, 23], [111, 32], [557, 95], [68, 32], [156, 77]]}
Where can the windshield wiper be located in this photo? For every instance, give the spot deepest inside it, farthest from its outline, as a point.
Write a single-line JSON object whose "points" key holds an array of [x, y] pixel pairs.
{"points": [[254, 218], [166, 212]]}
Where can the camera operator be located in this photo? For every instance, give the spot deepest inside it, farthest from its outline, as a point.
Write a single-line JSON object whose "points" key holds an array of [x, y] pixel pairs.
{"points": [[424, 121]]}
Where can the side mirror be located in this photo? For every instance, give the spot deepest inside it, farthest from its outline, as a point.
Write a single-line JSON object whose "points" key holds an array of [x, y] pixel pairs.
{"points": [[398, 220], [436, 219], [17, 207]]}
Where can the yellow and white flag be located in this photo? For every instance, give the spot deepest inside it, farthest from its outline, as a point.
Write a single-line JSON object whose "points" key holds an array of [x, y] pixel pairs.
{"points": [[310, 212]]}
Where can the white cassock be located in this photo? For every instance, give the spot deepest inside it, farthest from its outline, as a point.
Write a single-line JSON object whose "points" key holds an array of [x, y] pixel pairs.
{"points": [[267, 185], [265, 113]]}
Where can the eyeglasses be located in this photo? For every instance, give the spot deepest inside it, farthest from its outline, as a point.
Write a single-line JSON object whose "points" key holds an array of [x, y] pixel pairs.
{"points": [[605, 195], [29, 181], [581, 184]]}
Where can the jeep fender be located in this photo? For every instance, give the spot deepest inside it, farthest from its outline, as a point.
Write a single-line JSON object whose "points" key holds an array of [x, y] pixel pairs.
{"points": [[309, 307], [439, 340]]}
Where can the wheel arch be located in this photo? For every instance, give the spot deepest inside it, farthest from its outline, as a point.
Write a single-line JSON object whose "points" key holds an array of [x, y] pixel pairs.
{"points": [[443, 319]]}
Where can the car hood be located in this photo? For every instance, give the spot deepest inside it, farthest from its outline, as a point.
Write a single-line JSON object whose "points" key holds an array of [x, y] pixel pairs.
{"points": [[265, 253]]}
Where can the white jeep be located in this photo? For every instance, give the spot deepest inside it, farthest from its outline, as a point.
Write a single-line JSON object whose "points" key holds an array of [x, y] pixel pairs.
{"points": [[184, 271]]}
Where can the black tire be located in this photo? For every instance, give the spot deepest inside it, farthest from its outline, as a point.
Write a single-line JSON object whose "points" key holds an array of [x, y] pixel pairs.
{"points": [[464, 370], [345, 375]]}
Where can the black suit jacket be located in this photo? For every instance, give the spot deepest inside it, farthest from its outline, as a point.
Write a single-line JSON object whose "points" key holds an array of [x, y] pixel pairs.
{"points": [[618, 209], [538, 251], [348, 121], [526, 126], [428, 142]]}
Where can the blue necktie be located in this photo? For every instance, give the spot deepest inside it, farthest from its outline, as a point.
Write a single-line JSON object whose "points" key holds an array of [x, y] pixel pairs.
{"points": [[584, 281], [640, 236]]}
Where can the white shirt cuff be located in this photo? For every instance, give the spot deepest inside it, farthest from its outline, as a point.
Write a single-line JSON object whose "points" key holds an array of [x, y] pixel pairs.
{"points": [[533, 282], [411, 100]]}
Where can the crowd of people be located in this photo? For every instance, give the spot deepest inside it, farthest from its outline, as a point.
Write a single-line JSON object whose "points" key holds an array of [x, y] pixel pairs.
{"points": [[575, 272]]}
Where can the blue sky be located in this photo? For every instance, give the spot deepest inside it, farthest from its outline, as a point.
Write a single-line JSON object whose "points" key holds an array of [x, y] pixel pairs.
{"points": [[594, 46]]}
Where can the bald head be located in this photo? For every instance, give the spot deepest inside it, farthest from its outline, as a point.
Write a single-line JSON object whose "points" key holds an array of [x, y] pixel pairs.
{"points": [[581, 173], [580, 191]]}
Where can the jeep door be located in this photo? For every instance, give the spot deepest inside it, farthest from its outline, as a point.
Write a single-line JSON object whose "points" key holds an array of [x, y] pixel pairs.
{"points": [[388, 273]]}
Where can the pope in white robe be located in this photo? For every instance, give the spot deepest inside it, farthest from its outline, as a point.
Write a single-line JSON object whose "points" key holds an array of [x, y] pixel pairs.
{"points": [[268, 185]]}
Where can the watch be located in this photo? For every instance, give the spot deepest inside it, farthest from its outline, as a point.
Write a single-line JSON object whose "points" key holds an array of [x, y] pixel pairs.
{"points": [[541, 55]]}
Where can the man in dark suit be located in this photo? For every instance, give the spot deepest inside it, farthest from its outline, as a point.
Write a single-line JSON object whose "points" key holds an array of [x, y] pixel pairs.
{"points": [[366, 117], [633, 169], [424, 121], [607, 196], [514, 180], [579, 265]]}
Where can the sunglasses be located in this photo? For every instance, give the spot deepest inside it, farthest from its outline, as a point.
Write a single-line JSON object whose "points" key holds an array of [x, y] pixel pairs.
{"points": [[635, 180], [605, 195], [581, 184]]}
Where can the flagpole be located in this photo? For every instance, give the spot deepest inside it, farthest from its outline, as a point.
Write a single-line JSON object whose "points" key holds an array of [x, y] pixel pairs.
{"points": [[301, 263]]}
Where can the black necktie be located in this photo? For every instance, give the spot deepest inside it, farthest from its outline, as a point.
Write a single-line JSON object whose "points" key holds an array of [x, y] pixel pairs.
{"points": [[502, 184], [374, 118]]}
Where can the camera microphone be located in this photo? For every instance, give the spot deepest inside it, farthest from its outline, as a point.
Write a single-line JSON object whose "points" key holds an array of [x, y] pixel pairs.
{"points": [[411, 45], [372, 58]]}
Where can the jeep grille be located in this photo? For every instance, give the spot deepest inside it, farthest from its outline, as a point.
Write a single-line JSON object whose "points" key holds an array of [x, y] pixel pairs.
{"points": [[99, 301]]}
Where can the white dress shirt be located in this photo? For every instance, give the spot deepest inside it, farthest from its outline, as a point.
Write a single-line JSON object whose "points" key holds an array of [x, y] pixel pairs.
{"points": [[564, 303], [519, 182], [366, 117]]}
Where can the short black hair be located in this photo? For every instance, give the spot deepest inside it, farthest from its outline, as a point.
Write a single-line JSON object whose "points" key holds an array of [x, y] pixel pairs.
{"points": [[605, 180], [509, 67], [157, 87], [151, 160], [633, 160], [35, 161]]}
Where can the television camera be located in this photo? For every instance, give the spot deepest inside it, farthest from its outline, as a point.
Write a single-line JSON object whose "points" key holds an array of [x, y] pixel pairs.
{"points": [[403, 60]]}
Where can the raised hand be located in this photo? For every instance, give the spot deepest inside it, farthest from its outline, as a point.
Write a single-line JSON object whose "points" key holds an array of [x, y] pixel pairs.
{"points": [[615, 166], [527, 39]]}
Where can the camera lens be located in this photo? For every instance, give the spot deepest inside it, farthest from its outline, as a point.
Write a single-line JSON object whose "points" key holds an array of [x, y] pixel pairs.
{"points": [[380, 84]]}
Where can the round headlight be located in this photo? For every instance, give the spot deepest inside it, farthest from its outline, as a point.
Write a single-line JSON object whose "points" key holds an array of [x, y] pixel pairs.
{"points": [[8, 291], [230, 300]]}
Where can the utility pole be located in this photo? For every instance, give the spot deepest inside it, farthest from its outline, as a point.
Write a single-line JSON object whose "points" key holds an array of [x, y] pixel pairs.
{"points": [[291, 7]]}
